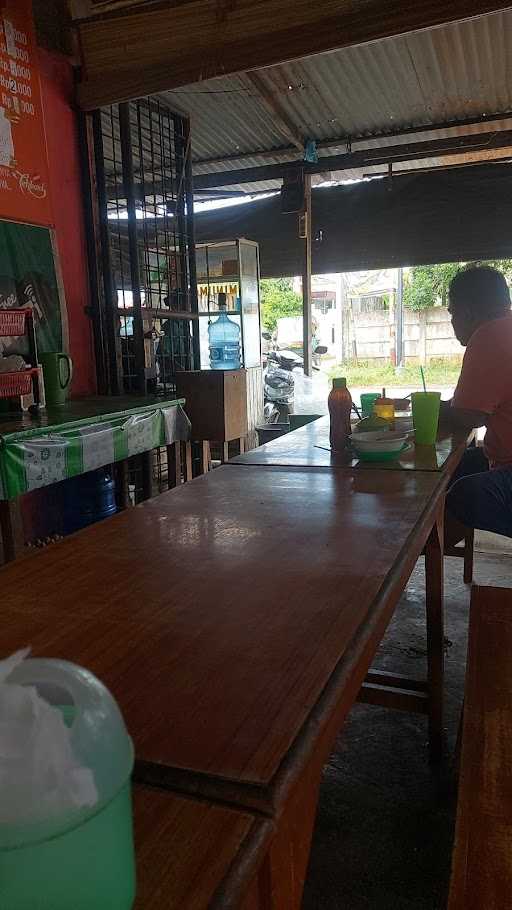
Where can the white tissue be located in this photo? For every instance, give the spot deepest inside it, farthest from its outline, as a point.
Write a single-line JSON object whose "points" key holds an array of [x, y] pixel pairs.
{"points": [[40, 777]]}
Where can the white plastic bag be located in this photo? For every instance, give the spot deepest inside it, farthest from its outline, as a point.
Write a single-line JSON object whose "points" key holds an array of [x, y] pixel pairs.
{"points": [[39, 775]]}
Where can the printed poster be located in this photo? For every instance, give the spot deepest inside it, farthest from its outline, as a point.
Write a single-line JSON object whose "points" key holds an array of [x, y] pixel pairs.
{"points": [[28, 279], [24, 193]]}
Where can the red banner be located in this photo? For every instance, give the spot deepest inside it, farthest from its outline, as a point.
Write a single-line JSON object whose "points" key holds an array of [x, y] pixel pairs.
{"points": [[24, 192]]}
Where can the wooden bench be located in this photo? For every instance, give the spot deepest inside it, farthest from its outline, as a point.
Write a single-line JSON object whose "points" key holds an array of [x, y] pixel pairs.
{"points": [[482, 859], [196, 855]]}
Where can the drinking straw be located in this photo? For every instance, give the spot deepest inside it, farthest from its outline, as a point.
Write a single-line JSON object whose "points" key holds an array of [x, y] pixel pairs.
{"points": [[423, 379]]}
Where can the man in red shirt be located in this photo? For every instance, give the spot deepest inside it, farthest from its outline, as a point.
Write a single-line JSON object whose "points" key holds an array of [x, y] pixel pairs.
{"points": [[481, 492]]}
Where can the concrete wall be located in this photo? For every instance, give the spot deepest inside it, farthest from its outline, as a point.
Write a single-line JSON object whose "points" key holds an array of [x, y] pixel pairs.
{"points": [[427, 334]]}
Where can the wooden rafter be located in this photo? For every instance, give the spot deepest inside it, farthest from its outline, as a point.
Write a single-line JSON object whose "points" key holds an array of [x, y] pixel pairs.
{"points": [[280, 118], [159, 48]]}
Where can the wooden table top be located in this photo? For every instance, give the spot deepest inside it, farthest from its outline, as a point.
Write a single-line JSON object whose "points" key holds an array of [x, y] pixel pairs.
{"points": [[309, 447], [193, 855], [218, 612]]}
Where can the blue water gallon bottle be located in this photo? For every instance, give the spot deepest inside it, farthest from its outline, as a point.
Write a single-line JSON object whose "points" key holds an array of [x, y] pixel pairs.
{"points": [[224, 340]]}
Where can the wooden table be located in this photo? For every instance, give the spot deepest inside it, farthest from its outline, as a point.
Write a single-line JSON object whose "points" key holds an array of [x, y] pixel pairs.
{"points": [[309, 447], [194, 855], [242, 638]]}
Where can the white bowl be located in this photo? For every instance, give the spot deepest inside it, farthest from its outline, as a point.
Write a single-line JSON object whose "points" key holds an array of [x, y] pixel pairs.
{"points": [[377, 435], [403, 424], [390, 443]]}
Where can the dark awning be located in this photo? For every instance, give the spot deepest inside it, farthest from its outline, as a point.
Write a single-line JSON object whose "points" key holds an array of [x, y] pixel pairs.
{"points": [[443, 216]]}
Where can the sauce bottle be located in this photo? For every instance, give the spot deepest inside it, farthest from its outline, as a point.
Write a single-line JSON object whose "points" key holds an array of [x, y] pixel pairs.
{"points": [[385, 407], [340, 406]]}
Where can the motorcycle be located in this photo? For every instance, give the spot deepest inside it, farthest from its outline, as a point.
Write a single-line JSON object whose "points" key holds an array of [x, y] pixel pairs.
{"points": [[289, 360], [285, 360], [278, 392]]}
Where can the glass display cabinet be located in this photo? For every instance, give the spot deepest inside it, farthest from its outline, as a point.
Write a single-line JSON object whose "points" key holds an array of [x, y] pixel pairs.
{"points": [[228, 275]]}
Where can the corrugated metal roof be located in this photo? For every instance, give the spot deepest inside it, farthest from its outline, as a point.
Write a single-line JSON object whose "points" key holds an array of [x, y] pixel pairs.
{"points": [[457, 71]]}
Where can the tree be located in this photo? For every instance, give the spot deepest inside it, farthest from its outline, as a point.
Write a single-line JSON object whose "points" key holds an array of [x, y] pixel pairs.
{"points": [[278, 299], [427, 285]]}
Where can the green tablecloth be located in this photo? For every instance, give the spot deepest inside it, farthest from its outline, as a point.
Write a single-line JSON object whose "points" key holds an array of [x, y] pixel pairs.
{"points": [[82, 436]]}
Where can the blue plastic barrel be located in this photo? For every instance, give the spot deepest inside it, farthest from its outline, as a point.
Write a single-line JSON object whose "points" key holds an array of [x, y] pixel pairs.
{"points": [[87, 498]]}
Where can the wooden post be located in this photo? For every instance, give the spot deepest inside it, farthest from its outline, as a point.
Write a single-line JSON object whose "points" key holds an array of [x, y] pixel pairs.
{"points": [[434, 584], [422, 343], [306, 280], [399, 319]]}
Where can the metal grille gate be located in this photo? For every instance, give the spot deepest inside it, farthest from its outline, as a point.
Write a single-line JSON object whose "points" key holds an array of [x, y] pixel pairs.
{"points": [[145, 243], [143, 172]]}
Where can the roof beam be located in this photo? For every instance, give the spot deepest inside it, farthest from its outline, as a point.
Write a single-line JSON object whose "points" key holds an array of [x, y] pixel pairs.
{"points": [[340, 141], [157, 49], [279, 116], [412, 151]]}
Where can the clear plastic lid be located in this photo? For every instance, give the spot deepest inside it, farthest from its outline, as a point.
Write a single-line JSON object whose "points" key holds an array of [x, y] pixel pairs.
{"points": [[98, 735]]}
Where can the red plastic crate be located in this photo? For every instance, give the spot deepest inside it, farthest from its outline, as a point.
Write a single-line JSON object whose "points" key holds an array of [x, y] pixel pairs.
{"points": [[12, 322], [19, 383]]}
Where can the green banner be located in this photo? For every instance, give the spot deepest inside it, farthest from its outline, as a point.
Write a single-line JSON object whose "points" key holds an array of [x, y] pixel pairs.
{"points": [[35, 458]]}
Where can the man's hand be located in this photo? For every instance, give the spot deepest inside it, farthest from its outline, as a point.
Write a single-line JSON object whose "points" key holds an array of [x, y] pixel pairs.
{"points": [[461, 418]]}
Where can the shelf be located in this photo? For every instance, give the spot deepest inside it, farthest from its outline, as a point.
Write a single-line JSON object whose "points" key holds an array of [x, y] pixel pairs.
{"points": [[158, 312], [218, 312], [220, 279]]}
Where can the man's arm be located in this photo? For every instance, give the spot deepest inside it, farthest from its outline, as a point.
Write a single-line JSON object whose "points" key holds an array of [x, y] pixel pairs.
{"points": [[462, 418]]}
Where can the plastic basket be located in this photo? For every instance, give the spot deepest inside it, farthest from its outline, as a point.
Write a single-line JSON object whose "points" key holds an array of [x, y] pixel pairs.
{"points": [[12, 322], [19, 383]]}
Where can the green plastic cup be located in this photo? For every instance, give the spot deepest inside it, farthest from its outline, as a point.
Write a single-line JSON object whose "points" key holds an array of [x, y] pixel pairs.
{"points": [[368, 400], [425, 416]]}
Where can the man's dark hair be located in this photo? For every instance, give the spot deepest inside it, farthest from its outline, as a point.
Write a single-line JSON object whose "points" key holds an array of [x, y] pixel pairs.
{"points": [[481, 288]]}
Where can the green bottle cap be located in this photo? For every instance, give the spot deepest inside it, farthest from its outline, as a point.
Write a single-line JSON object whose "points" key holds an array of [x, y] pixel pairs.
{"points": [[339, 383]]}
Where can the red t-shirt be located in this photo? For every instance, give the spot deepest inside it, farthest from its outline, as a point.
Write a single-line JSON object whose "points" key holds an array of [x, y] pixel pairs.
{"points": [[485, 384]]}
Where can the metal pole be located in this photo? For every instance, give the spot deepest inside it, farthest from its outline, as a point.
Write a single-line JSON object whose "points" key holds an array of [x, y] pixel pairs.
{"points": [[399, 318], [115, 372], [306, 280], [191, 251], [129, 191]]}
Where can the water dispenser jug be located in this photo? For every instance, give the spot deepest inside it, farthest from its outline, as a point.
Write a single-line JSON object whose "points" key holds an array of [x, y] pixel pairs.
{"points": [[224, 340]]}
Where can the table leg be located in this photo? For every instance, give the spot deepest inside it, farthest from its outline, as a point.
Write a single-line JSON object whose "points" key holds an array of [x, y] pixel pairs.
{"points": [[120, 470], [174, 465], [284, 869], [11, 523], [469, 545], [188, 461], [147, 475], [206, 458], [434, 585]]}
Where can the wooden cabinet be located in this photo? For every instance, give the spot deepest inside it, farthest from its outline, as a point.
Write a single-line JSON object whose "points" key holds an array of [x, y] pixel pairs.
{"points": [[216, 403]]}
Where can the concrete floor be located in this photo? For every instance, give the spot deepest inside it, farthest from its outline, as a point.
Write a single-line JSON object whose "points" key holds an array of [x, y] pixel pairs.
{"points": [[384, 827]]}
